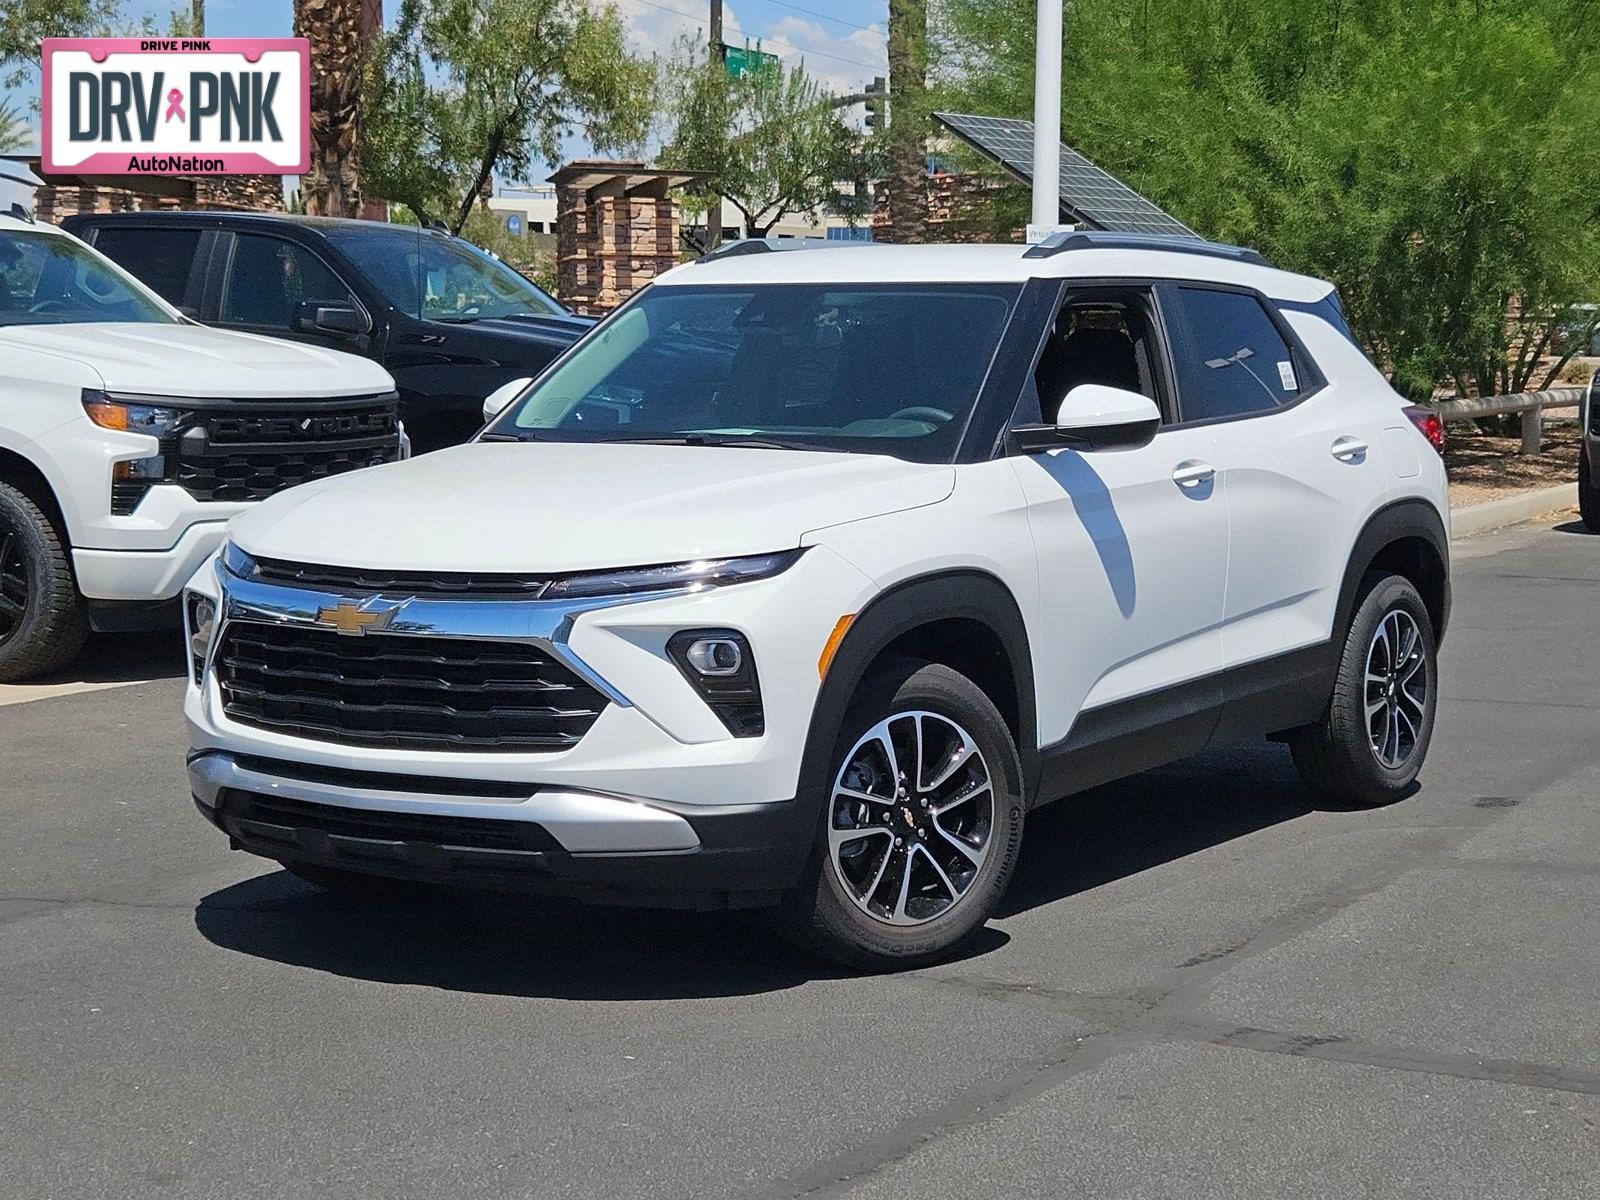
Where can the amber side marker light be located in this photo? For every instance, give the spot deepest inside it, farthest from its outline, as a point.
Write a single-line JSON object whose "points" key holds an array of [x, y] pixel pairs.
{"points": [[831, 646]]}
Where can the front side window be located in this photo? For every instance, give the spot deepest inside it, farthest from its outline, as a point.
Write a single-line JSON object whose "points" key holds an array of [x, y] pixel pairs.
{"points": [[880, 369], [1229, 357], [438, 278], [51, 279], [162, 259], [269, 278]]}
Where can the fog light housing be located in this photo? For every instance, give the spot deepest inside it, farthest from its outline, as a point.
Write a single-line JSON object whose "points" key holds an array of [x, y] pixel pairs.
{"points": [[200, 623], [720, 667]]}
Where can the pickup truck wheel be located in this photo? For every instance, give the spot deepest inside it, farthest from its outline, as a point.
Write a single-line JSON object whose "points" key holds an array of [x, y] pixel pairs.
{"points": [[921, 826], [1369, 745], [1588, 492], [42, 619]]}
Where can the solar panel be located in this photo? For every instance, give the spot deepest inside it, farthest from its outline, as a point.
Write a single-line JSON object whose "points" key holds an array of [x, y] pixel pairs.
{"points": [[1088, 194]]}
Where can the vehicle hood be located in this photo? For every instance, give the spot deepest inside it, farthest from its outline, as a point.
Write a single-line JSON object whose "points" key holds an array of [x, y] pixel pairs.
{"points": [[194, 360], [552, 507]]}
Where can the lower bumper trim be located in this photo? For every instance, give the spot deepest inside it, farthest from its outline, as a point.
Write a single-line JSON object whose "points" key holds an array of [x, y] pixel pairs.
{"points": [[584, 845]]}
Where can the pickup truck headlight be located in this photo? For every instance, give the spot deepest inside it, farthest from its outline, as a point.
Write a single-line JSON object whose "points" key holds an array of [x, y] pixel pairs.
{"points": [[694, 576], [131, 479], [150, 419]]}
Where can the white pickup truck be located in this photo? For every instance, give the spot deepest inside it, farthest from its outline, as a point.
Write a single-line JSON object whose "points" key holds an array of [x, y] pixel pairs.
{"points": [[129, 435]]}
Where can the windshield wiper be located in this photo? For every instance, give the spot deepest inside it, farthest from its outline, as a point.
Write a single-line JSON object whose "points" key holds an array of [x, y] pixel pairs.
{"points": [[706, 439], [509, 437]]}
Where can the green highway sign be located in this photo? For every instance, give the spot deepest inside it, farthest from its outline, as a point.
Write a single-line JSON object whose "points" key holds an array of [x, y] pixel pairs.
{"points": [[741, 61]]}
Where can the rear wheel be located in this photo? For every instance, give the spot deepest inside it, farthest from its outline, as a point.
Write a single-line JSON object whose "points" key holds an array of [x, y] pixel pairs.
{"points": [[42, 619], [922, 823], [1372, 739], [1588, 492]]}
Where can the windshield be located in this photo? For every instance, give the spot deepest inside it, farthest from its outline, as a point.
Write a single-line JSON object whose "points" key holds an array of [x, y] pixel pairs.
{"points": [[879, 369], [438, 278], [48, 279]]}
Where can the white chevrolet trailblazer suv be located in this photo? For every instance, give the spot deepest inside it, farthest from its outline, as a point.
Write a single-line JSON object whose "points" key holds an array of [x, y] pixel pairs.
{"points": [[129, 435], [802, 578]]}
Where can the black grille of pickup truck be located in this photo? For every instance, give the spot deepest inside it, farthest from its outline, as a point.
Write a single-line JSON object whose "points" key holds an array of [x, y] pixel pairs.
{"points": [[403, 691], [252, 451]]}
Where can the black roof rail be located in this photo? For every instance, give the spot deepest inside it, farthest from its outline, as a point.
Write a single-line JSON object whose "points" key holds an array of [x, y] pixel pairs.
{"points": [[742, 246], [1086, 239]]}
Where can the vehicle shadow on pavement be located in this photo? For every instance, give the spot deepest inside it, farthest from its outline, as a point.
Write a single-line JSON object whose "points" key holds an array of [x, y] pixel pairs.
{"points": [[1141, 822], [511, 945], [538, 947], [1577, 527], [123, 658]]}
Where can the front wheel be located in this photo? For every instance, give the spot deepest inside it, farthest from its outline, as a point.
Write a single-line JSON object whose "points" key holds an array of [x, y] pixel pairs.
{"points": [[1372, 738], [42, 620], [921, 827]]}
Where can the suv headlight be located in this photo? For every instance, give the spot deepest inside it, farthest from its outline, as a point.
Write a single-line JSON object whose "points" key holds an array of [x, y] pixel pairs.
{"points": [[719, 665], [200, 624], [695, 576], [236, 562]]}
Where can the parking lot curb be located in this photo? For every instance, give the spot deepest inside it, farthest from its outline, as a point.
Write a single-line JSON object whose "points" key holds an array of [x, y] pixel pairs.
{"points": [[1496, 514]]}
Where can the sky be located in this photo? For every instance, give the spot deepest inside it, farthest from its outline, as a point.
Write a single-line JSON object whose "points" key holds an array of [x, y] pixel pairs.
{"points": [[841, 41]]}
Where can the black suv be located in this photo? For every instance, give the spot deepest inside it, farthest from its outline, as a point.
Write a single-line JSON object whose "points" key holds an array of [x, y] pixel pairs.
{"points": [[448, 321]]}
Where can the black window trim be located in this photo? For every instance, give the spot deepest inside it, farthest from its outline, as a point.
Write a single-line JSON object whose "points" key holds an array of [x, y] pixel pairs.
{"points": [[1162, 366], [225, 276], [1306, 368]]}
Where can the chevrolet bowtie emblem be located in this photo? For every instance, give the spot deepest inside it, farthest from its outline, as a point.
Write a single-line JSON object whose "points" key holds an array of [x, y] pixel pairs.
{"points": [[351, 619]]}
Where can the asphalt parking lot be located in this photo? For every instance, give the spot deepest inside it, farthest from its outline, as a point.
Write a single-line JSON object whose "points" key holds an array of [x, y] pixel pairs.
{"points": [[1201, 985]]}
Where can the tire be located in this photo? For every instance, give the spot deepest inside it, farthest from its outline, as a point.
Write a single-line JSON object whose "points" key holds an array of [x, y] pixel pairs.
{"points": [[42, 619], [860, 905], [354, 885], [1363, 755], [1588, 492]]}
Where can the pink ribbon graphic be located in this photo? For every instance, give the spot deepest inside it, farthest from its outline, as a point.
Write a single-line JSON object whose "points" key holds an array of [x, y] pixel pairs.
{"points": [[175, 105]]}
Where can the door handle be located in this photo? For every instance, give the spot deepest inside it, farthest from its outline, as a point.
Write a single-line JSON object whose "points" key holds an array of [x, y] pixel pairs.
{"points": [[1191, 474], [1348, 449]]}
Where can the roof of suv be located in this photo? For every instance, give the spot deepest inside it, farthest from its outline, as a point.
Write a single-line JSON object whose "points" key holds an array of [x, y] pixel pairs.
{"points": [[185, 215], [878, 263]]}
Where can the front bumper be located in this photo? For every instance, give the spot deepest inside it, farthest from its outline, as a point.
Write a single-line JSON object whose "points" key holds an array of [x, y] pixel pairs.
{"points": [[146, 575], [473, 833]]}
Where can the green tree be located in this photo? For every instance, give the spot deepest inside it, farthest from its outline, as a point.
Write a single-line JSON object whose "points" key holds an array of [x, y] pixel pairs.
{"points": [[770, 143], [14, 132], [460, 89], [1420, 153], [24, 23]]}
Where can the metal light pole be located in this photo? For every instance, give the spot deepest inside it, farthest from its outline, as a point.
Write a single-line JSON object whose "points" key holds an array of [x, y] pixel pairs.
{"points": [[1047, 115]]}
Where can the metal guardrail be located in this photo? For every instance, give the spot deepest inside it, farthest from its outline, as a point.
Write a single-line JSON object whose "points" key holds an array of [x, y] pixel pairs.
{"points": [[1532, 406]]}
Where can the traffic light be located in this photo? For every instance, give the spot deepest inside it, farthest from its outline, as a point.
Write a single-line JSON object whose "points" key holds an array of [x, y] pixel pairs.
{"points": [[877, 92]]}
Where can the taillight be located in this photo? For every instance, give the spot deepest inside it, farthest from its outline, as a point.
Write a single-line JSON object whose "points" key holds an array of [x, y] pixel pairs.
{"points": [[1429, 423]]}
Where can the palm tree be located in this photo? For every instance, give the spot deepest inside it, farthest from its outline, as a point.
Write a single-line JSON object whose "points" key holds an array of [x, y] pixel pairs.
{"points": [[14, 132], [340, 32], [907, 182]]}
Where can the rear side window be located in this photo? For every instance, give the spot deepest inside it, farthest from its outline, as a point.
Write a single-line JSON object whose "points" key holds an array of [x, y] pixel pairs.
{"points": [[270, 277], [1229, 357], [161, 259]]}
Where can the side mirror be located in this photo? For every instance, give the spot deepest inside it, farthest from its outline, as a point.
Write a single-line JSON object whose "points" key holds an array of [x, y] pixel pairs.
{"points": [[322, 316], [495, 402], [1094, 417]]}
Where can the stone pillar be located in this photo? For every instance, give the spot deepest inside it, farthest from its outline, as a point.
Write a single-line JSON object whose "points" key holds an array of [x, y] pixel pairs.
{"points": [[616, 229]]}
